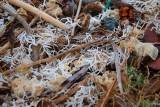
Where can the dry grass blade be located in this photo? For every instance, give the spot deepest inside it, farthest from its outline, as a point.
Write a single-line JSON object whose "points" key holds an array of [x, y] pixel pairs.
{"points": [[38, 12]]}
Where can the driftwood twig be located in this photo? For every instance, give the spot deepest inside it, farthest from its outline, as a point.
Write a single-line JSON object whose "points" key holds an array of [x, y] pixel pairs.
{"points": [[38, 12]]}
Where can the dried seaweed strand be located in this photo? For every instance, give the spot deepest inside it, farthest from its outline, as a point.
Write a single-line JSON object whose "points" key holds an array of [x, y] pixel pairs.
{"points": [[38, 12]]}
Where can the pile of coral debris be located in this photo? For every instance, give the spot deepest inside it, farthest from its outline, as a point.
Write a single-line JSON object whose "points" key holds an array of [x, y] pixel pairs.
{"points": [[79, 53]]}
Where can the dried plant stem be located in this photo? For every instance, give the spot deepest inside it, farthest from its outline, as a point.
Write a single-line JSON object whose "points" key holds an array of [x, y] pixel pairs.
{"points": [[76, 17], [52, 58], [13, 12], [38, 12], [106, 98]]}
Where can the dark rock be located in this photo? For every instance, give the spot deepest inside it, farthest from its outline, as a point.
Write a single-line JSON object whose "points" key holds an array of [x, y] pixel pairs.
{"points": [[109, 23]]}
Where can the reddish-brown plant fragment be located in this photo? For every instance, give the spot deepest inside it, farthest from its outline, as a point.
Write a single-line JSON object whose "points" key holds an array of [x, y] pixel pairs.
{"points": [[126, 12]]}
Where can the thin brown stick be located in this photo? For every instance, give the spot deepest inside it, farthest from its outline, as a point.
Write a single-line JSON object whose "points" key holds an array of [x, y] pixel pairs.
{"points": [[106, 98], [38, 12], [52, 58]]}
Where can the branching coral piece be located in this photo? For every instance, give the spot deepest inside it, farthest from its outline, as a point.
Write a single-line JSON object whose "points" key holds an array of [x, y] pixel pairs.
{"points": [[38, 12]]}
